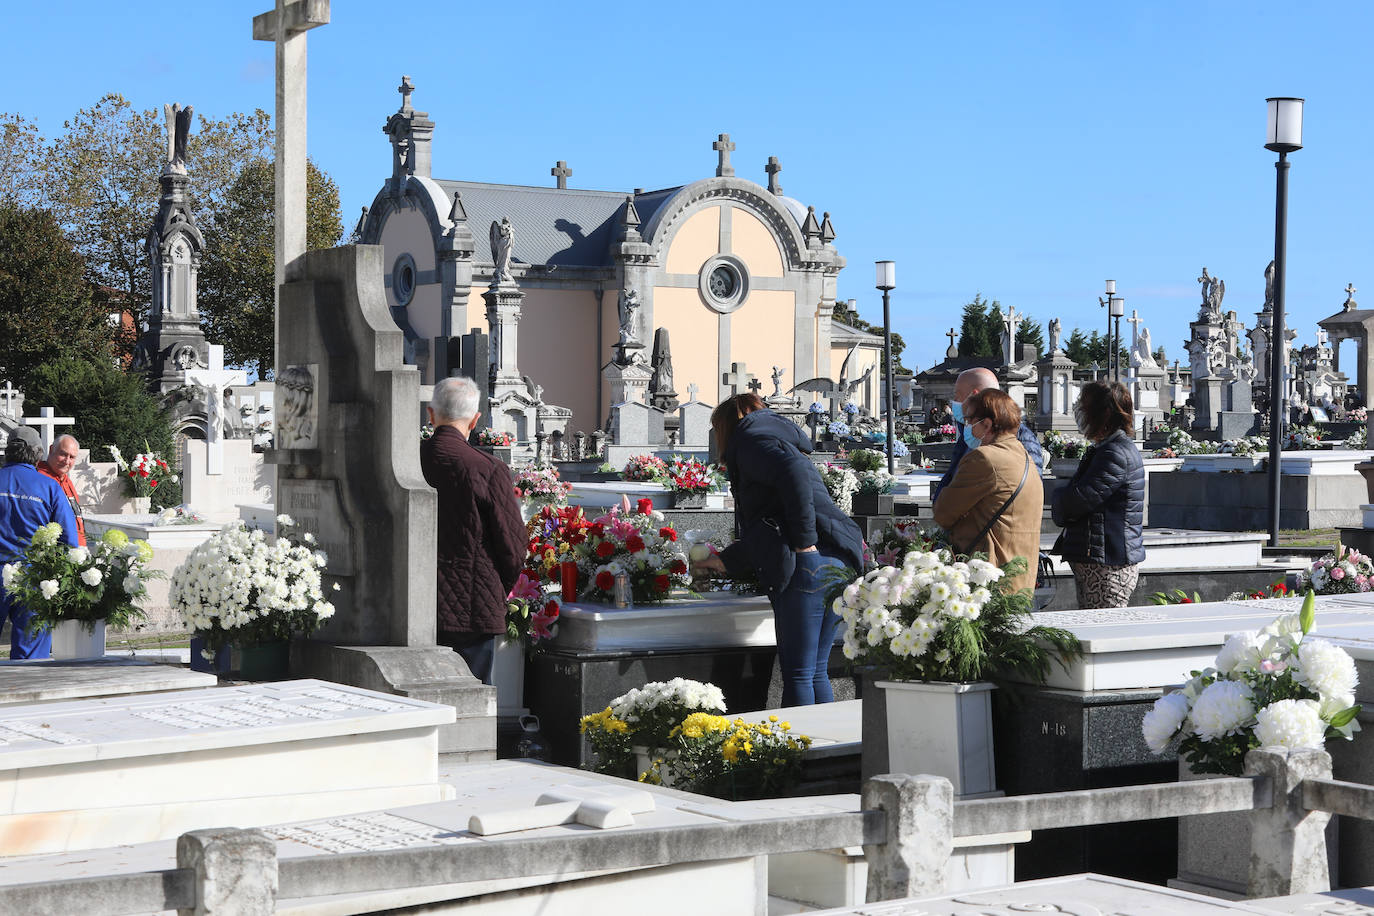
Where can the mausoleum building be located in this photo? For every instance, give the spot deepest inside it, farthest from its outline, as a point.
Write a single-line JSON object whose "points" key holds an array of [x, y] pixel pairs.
{"points": [[738, 273]]}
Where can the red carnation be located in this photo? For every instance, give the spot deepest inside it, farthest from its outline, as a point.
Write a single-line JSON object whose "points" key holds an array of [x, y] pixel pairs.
{"points": [[634, 543], [646, 506], [152, 483], [661, 582], [551, 608], [678, 567], [143, 473], [605, 581], [605, 549], [667, 534]]}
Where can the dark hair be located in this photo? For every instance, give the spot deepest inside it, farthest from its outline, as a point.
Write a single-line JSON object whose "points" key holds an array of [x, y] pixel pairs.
{"points": [[17, 451], [727, 415], [996, 406], [1106, 408]]}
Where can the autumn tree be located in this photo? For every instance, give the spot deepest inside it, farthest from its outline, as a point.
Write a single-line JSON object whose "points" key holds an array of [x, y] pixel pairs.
{"points": [[237, 279]]}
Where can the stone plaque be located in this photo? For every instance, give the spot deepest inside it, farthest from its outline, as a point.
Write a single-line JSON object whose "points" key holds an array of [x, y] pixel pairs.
{"points": [[315, 506], [298, 413], [365, 833]]}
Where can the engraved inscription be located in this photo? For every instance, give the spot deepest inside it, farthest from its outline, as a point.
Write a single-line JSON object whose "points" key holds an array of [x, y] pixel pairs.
{"points": [[364, 833]]}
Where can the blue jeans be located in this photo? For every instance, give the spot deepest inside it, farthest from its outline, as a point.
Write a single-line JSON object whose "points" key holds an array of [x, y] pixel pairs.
{"points": [[805, 628], [22, 643]]}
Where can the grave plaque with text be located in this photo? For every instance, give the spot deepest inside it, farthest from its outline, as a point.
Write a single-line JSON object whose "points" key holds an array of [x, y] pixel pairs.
{"points": [[314, 505]]}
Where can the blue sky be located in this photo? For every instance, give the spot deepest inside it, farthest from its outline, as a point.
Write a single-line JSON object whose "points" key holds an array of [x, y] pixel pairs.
{"points": [[1027, 152]]}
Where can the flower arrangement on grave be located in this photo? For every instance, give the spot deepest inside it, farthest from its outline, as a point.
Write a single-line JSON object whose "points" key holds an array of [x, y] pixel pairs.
{"points": [[900, 449], [1359, 439], [1343, 571], [635, 542], [935, 618], [851, 410], [492, 438], [863, 459], [1271, 688], [645, 469], [1060, 445], [730, 758], [541, 486], [900, 538], [839, 429], [1165, 452], [690, 476], [877, 480], [914, 437], [646, 717], [555, 532], [842, 483], [1303, 438], [179, 515], [1358, 415], [947, 432], [1181, 443], [1177, 596], [243, 588], [816, 408], [144, 474], [1273, 590], [1245, 446], [531, 615], [102, 581]]}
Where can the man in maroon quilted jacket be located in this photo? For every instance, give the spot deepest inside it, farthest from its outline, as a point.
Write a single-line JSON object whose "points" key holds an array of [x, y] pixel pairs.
{"points": [[482, 541]]}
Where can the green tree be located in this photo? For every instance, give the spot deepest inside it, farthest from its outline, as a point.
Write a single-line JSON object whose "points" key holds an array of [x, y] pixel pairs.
{"points": [[111, 407], [973, 334], [1076, 348], [236, 280], [46, 308], [1028, 332], [843, 313]]}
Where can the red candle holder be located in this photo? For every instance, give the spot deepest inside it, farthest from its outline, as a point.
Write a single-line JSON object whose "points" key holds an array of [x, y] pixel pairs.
{"points": [[569, 571]]}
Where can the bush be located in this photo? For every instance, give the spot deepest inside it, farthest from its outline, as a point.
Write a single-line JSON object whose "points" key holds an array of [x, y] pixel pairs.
{"points": [[862, 459], [111, 407]]}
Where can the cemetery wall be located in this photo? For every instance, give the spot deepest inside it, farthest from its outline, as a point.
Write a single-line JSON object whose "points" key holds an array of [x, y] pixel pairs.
{"points": [[558, 348]]}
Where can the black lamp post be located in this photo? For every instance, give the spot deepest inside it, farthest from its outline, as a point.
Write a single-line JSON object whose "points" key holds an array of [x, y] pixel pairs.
{"points": [[1116, 307], [887, 281], [1110, 292], [1283, 136]]}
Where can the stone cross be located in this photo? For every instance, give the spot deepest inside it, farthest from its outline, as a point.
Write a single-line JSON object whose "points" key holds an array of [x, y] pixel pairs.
{"points": [[736, 378], [214, 380], [286, 27], [47, 426], [1350, 292], [1134, 321], [405, 89], [10, 394], [1012, 319], [561, 172], [773, 168], [723, 146], [692, 389], [754, 385]]}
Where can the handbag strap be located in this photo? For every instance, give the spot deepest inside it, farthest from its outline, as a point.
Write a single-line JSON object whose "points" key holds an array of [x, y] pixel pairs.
{"points": [[998, 514]]}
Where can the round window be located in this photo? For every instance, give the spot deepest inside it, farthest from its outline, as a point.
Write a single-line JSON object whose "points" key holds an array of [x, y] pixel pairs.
{"points": [[724, 283], [403, 279]]}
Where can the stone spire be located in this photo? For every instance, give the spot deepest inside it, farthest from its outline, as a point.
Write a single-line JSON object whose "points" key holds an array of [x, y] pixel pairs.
{"points": [[411, 134]]}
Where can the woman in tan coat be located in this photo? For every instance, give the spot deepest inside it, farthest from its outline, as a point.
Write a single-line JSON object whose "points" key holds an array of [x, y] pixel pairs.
{"points": [[995, 501]]}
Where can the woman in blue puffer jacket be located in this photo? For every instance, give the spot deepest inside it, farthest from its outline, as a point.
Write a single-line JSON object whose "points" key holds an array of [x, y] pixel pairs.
{"points": [[789, 533], [1102, 507]]}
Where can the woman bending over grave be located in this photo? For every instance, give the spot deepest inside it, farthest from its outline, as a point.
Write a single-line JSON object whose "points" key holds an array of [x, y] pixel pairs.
{"points": [[790, 533], [1101, 507], [994, 502]]}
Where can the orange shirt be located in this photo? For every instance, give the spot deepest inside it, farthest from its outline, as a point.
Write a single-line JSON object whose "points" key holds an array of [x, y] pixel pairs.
{"points": [[65, 481]]}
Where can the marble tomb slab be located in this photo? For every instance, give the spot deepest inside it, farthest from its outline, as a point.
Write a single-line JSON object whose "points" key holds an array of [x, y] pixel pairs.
{"points": [[1182, 548], [712, 621], [89, 773], [1083, 894], [48, 679], [1156, 646]]}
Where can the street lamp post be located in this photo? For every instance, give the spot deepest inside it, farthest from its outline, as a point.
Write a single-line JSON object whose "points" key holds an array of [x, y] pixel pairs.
{"points": [[1116, 308], [1110, 292], [1283, 136], [887, 281]]}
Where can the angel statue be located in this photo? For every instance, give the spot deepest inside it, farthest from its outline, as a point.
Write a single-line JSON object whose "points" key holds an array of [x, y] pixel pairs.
{"points": [[502, 234], [1055, 330], [178, 127], [1143, 357], [629, 318], [777, 381]]}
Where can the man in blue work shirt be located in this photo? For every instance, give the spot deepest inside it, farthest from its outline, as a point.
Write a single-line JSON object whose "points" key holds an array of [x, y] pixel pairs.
{"points": [[969, 383], [29, 499]]}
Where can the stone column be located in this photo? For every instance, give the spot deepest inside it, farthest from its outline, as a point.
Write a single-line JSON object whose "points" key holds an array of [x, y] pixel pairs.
{"points": [[504, 305], [235, 871], [920, 835], [1287, 841]]}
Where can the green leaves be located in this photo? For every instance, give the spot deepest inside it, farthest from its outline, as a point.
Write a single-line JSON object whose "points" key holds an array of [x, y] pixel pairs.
{"points": [[1308, 615], [1344, 717]]}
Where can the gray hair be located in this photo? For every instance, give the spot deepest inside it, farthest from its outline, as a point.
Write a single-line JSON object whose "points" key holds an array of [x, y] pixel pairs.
{"points": [[17, 451], [455, 398]]}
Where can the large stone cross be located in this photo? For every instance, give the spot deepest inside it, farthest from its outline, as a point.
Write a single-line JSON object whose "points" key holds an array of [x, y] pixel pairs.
{"points": [[723, 146], [1012, 320], [1350, 292], [47, 426], [1134, 321], [286, 26], [10, 394], [736, 379], [214, 380], [562, 173], [773, 168]]}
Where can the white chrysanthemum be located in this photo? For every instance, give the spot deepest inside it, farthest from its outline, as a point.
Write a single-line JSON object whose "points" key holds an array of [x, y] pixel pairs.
{"points": [[850, 650], [1223, 708], [1290, 723], [1326, 668], [285, 519], [1240, 653], [48, 588], [92, 576], [78, 555], [1164, 720], [11, 570]]}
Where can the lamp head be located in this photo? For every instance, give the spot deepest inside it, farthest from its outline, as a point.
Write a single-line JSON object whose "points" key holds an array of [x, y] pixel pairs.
{"points": [[1284, 133], [886, 274]]}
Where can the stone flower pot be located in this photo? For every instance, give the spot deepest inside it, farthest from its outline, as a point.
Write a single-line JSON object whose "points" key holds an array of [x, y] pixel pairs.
{"points": [[943, 729]]}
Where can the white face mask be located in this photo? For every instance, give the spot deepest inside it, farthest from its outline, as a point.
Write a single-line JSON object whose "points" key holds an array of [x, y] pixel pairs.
{"points": [[1080, 419]]}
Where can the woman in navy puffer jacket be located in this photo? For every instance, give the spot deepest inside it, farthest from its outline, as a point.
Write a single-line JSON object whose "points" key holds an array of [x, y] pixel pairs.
{"points": [[790, 531], [1102, 506]]}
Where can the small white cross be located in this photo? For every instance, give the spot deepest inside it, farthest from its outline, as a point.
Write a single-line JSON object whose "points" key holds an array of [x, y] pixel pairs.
{"points": [[692, 389], [47, 426], [214, 380], [10, 394]]}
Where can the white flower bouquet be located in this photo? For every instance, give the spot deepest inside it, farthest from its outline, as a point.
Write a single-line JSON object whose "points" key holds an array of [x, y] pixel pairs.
{"points": [[932, 619], [654, 710], [1271, 688], [241, 587], [1342, 571], [842, 483], [99, 582]]}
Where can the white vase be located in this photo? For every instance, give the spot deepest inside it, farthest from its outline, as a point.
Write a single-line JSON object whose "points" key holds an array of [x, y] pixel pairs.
{"points": [[70, 639], [942, 729], [508, 677], [644, 759], [140, 505]]}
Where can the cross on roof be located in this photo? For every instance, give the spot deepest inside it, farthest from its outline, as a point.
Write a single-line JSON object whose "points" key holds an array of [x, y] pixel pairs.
{"points": [[1350, 291], [723, 146], [951, 334], [47, 425], [561, 172], [405, 89], [773, 168], [10, 394], [215, 379]]}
